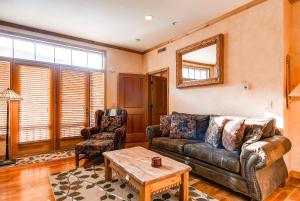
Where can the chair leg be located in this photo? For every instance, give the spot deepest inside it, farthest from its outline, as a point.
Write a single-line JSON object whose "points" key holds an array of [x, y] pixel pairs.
{"points": [[77, 159]]}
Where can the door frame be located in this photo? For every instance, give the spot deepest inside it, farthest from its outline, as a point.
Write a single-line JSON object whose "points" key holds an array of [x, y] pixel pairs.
{"points": [[149, 74]]}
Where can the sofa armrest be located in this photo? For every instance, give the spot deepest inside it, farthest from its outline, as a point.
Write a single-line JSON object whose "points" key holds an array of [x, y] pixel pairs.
{"points": [[88, 132], [265, 151], [153, 132], [119, 138]]}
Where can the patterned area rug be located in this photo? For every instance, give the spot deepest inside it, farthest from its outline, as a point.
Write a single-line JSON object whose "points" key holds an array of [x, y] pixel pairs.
{"points": [[39, 158], [88, 184]]}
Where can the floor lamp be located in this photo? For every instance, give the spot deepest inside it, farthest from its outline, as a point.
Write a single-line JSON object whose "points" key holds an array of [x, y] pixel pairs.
{"points": [[8, 95]]}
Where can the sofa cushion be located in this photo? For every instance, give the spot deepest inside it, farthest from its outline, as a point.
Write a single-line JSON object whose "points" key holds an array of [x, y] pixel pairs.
{"points": [[218, 157], [175, 145], [233, 133], [214, 131], [165, 125], [183, 126]]}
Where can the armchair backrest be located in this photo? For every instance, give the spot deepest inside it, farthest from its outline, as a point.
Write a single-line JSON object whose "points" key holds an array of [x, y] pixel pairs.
{"points": [[111, 112]]}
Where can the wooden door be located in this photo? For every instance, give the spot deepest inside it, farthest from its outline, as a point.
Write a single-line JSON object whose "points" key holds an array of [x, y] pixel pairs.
{"points": [[159, 96], [132, 96]]}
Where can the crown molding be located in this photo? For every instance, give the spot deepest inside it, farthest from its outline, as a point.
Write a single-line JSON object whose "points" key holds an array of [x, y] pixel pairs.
{"points": [[60, 35], [209, 23]]}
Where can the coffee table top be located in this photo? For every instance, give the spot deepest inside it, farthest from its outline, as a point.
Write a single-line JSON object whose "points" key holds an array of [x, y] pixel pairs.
{"points": [[136, 162]]}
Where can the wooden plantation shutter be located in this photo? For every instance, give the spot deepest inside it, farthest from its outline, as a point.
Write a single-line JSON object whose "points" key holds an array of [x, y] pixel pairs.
{"points": [[34, 109], [73, 102], [96, 94], [4, 84]]}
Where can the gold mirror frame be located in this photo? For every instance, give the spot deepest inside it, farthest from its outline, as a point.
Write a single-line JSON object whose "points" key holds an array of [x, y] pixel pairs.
{"points": [[219, 41]]}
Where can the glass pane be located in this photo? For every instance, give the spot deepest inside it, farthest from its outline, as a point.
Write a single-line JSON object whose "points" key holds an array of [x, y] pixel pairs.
{"points": [[44, 52], [95, 60], [62, 55], [5, 47], [185, 72], [79, 58], [197, 74], [192, 73], [23, 49], [203, 74]]}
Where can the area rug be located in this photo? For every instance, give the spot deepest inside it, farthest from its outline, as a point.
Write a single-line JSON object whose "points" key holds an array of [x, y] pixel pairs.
{"points": [[89, 184], [39, 158]]}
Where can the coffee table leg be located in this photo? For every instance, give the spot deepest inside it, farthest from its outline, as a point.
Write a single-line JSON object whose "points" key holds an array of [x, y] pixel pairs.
{"points": [[145, 194], [108, 171], [184, 187]]}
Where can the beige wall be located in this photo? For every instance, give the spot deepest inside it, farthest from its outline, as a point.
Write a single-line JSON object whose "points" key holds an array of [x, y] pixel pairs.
{"points": [[293, 114], [253, 53]]}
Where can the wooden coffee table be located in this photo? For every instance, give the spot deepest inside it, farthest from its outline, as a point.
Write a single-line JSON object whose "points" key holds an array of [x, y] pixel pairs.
{"points": [[134, 165]]}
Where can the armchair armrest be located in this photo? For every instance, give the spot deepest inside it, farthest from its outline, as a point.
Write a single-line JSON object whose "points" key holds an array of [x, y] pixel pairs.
{"points": [[120, 137], [153, 132], [88, 132], [265, 152]]}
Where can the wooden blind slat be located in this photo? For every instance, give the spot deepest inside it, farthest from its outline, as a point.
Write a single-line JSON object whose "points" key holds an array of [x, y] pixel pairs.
{"points": [[4, 84], [34, 109], [73, 102], [96, 94]]}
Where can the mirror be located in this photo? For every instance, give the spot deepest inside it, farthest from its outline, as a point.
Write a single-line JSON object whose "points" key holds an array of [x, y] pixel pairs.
{"points": [[201, 63]]}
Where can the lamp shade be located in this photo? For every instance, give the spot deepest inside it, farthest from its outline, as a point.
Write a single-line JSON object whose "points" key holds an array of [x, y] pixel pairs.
{"points": [[295, 92], [9, 95]]}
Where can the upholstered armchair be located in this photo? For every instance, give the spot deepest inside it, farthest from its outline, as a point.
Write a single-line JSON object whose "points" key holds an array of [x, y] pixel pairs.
{"points": [[99, 132], [109, 133]]}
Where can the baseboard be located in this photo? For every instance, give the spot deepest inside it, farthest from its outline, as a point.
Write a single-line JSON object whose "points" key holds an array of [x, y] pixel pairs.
{"points": [[295, 174]]}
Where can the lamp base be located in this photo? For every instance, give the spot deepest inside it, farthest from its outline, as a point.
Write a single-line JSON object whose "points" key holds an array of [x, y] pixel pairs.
{"points": [[7, 162]]}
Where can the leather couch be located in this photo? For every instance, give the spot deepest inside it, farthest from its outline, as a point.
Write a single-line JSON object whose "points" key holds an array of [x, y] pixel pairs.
{"points": [[256, 171]]}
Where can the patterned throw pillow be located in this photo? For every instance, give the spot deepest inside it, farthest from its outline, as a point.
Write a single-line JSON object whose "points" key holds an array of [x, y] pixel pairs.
{"points": [[110, 123], [252, 134], [183, 126], [165, 125], [233, 134], [214, 131], [268, 126]]}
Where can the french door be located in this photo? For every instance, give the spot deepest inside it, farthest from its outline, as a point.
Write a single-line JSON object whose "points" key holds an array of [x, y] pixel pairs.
{"points": [[57, 103]]}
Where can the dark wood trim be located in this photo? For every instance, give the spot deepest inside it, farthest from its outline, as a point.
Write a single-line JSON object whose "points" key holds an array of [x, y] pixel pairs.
{"points": [[209, 23], [60, 35], [293, 1]]}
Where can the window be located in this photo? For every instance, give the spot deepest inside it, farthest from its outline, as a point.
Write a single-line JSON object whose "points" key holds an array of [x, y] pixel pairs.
{"points": [[36, 50], [79, 58], [4, 84], [44, 52], [5, 47], [95, 60], [96, 94], [24, 49], [192, 73], [62, 55], [34, 109], [73, 91]]}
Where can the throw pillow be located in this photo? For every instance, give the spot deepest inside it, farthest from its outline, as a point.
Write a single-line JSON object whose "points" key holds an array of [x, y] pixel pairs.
{"points": [[183, 126], [214, 130], [110, 123], [233, 133], [268, 126], [202, 122], [252, 134], [165, 125]]}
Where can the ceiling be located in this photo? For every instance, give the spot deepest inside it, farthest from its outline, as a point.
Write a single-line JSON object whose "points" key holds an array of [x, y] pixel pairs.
{"points": [[116, 22]]}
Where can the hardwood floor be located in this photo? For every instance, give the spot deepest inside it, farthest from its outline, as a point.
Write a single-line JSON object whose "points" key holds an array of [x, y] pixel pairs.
{"points": [[30, 183]]}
